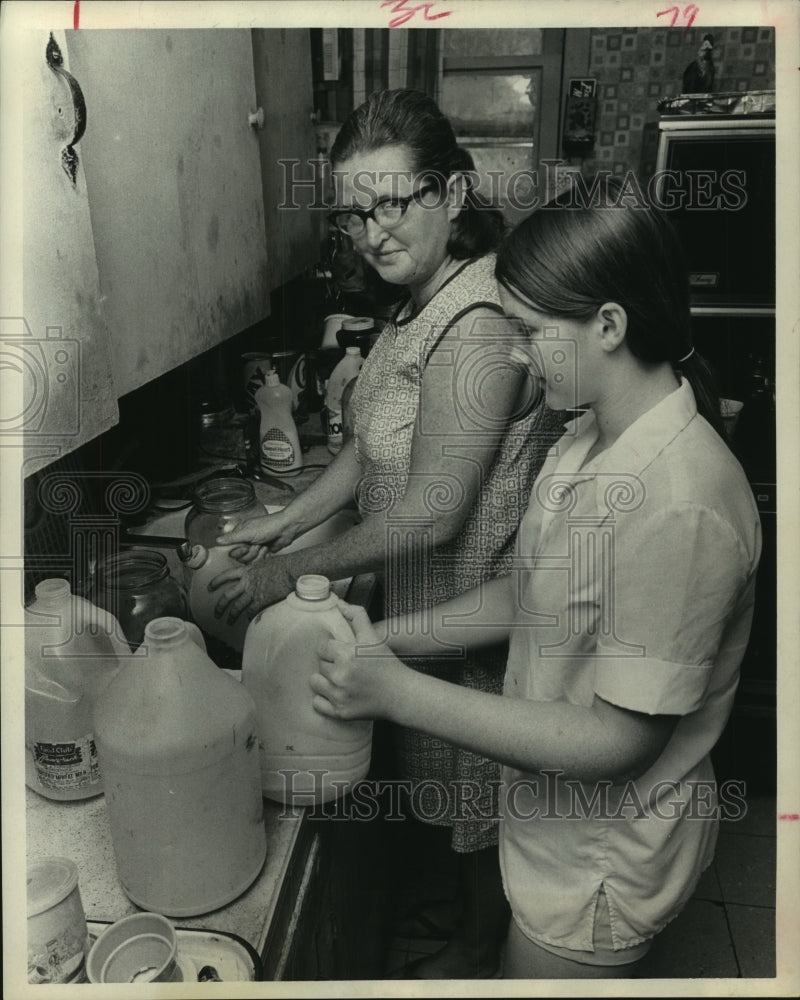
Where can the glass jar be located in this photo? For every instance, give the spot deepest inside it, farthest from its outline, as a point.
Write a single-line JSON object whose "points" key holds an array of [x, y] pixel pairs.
{"points": [[218, 502], [136, 586]]}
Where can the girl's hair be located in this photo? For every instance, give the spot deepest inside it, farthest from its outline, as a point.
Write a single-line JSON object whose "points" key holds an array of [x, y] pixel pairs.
{"points": [[409, 119], [570, 257]]}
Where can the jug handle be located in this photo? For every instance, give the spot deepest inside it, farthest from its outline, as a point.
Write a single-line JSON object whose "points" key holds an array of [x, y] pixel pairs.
{"points": [[342, 630], [192, 556], [196, 635], [38, 683]]}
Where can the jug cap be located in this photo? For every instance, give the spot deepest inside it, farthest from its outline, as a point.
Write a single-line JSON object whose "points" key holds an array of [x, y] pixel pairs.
{"points": [[313, 587], [52, 589]]}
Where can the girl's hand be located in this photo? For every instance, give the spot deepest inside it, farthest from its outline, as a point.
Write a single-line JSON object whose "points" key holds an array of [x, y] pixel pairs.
{"points": [[357, 678], [250, 588], [270, 532]]}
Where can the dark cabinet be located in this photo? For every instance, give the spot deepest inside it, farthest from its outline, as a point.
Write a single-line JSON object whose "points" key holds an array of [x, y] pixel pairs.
{"points": [[731, 256]]}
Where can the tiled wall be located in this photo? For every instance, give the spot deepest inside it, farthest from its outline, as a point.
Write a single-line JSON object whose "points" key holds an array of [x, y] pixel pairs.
{"points": [[367, 76], [636, 67]]}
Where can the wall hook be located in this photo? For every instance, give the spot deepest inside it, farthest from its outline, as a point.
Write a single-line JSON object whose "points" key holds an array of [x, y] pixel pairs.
{"points": [[55, 60]]}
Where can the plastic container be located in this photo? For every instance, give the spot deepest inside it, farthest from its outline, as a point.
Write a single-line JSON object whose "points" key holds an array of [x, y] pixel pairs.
{"points": [[348, 424], [58, 938], [178, 745], [319, 757], [330, 328], [346, 370], [136, 587], [72, 651], [356, 332], [296, 384], [280, 444], [217, 502], [140, 948]]}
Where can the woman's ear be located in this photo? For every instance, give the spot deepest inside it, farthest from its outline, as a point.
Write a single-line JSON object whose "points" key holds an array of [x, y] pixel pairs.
{"points": [[613, 322], [456, 194]]}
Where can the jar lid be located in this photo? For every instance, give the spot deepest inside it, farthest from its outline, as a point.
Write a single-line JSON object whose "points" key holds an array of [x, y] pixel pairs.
{"points": [[50, 880], [313, 587], [358, 323]]}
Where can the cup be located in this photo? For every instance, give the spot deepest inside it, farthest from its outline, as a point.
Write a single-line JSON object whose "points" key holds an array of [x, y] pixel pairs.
{"points": [[57, 932], [140, 948], [730, 409]]}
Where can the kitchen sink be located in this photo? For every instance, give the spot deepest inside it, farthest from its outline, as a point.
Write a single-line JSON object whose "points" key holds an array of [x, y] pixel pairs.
{"points": [[171, 524]]}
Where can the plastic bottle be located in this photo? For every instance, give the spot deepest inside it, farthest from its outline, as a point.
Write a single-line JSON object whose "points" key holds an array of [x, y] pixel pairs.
{"points": [[280, 444], [217, 503], [72, 651], [320, 757], [178, 745], [347, 369]]}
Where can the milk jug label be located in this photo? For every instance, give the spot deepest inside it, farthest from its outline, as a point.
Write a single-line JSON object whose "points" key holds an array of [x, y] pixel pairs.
{"points": [[277, 451], [71, 764]]}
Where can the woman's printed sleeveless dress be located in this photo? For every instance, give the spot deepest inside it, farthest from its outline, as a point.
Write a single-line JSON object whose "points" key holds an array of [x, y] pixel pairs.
{"points": [[385, 404]]}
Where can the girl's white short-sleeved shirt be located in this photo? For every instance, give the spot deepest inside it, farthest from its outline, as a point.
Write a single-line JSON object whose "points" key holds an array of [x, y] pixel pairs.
{"points": [[636, 585]]}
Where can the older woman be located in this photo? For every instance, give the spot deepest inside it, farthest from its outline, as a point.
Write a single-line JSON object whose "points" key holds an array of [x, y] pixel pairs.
{"points": [[447, 442]]}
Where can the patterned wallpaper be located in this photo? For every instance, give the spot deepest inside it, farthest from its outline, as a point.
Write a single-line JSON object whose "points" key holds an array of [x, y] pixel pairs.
{"points": [[636, 67]]}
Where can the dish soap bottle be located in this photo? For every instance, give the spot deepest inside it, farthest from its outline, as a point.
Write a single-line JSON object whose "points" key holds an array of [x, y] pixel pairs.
{"points": [[346, 370], [280, 444], [178, 745], [72, 651], [305, 757]]}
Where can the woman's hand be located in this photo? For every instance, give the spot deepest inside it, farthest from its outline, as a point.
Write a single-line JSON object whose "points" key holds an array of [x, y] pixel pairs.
{"points": [[250, 588], [271, 531], [358, 679]]}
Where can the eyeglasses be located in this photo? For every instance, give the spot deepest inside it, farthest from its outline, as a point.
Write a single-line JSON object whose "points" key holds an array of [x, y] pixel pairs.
{"points": [[387, 213]]}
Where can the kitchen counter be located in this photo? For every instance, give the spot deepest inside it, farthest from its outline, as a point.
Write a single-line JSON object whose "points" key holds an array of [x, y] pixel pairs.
{"points": [[80, 831]]}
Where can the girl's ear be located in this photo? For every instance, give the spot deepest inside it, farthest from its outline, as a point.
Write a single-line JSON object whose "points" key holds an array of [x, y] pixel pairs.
{"points": [[613, 322]]}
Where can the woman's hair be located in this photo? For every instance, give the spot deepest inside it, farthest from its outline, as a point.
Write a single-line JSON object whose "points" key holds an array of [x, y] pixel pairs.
{"points": [[410, 119], [574, 254]]}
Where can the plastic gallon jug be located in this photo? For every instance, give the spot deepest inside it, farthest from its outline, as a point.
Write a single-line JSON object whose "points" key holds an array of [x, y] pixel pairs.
{"points": [[346, 370], [280, 444], [178, 746], [201, 566], [305, 757], [72, 651], [217, 503]]}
